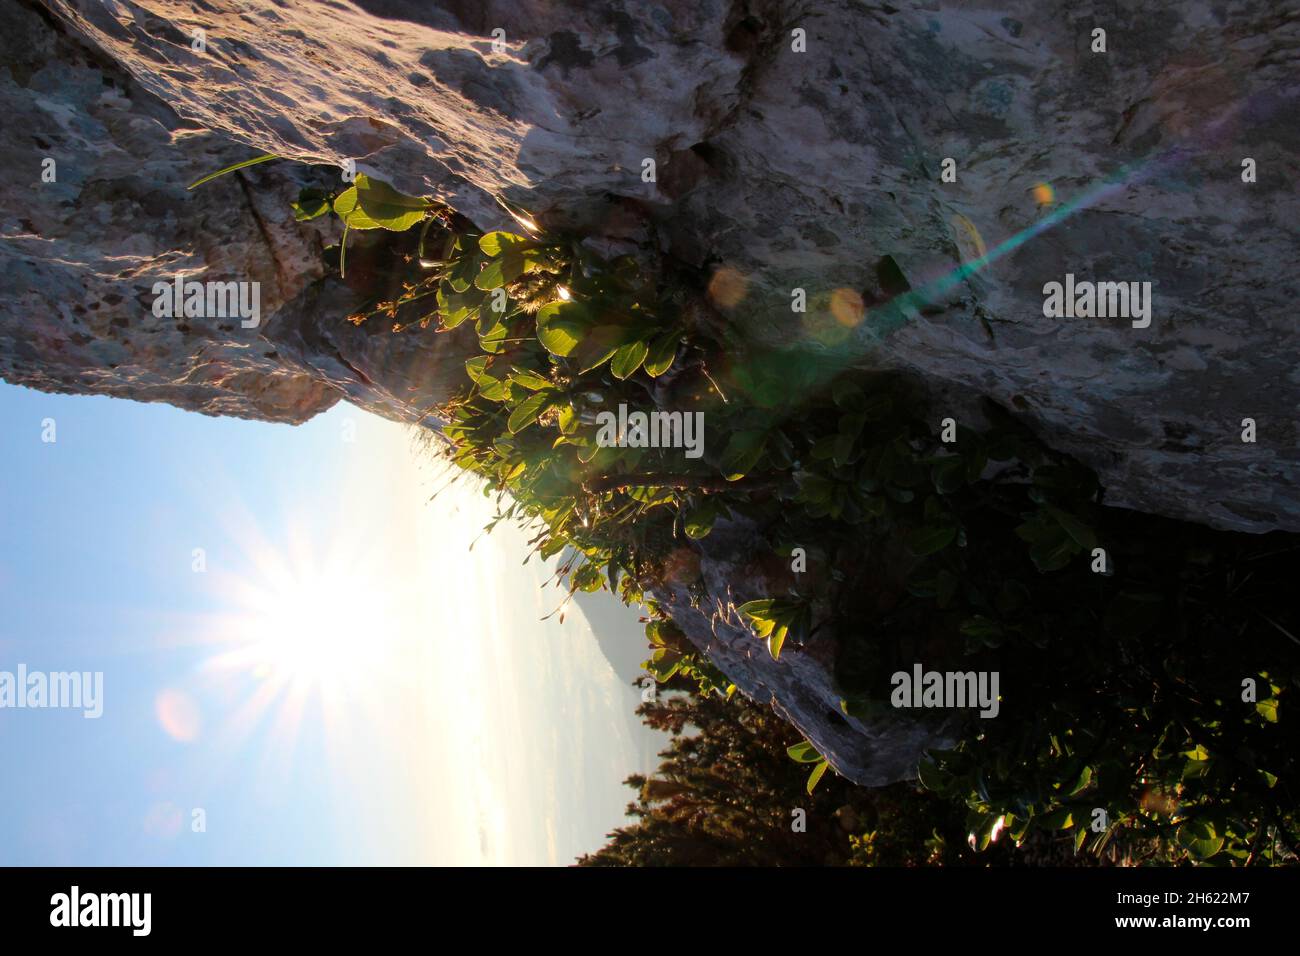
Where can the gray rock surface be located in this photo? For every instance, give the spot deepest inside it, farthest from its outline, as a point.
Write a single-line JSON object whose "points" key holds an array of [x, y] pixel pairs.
{"points": [[795, 169], [79, 256], [817, 170]]}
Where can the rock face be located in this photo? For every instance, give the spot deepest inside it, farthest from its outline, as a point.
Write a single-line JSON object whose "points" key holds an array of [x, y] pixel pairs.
{"points": [[795, 146], [84, 244]]}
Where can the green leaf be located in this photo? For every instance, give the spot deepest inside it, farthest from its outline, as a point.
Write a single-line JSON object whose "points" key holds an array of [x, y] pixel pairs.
{"points": [[700, 521], [850, 424], [977, 460], [1199, 838], [384, 205], [776, 640], [756, 609], [600, 456], [663, 664], [842, 449], [488, 322], [474, 367], [467, 265], [588, 578], [311, 203], [815, 777], [599, 345], [561, 326], [348, 208], [494, 243], [930, 776], [376, 194], [489, 319], [568, 419], [494, 338], [760, 615], [501, 271], [773, 620], [529, 380], [948, 475], [1061, 819], [824, 448], [1053, 551], [983, 629], [508, 257], [527, 411], [1268, 710], [1076, 529], [803, 752], [665, 634], [455, 307], [264, 158], [628, 358], [662, 353], [1081, 784], [743, 452], [494, 389], [930, 539]]}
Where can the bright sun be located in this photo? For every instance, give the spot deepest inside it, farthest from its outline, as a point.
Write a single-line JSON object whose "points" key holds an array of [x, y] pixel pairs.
{"points": [[305, 626], [307, 633]]}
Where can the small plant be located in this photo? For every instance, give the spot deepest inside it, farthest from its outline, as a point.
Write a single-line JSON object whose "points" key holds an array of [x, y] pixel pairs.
{"points": [[806, 753], [773, 620]]}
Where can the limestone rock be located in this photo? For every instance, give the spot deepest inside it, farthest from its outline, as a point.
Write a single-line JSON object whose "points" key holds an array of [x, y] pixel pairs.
{"points": [[809, 169]]}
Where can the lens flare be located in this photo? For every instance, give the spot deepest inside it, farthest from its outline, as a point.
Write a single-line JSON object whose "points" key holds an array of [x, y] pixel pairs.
{"points": [[727, 288], [847, 307], [177, 714]]}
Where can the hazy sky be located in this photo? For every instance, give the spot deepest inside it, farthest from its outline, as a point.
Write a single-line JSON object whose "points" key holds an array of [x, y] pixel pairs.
{"points": [[344, 682]]}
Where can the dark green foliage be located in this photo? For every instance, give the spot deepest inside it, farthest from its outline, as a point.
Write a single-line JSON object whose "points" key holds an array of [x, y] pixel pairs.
{"points": [[727, 785]]}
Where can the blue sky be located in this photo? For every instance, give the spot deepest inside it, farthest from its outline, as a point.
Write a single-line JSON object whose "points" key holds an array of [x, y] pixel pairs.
{"points": [[342, 682]]}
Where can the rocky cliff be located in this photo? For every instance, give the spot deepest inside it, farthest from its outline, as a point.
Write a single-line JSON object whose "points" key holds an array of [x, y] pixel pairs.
{"points": [[795, 146]]}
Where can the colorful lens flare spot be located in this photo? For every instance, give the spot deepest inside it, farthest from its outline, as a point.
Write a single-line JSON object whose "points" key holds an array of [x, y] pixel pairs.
{"points": [[847, 307], [178, 715], [969, 241], [727, 288]]}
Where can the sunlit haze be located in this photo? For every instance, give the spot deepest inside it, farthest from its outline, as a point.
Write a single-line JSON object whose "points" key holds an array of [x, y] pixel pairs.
{"points": [[302, 646]]}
